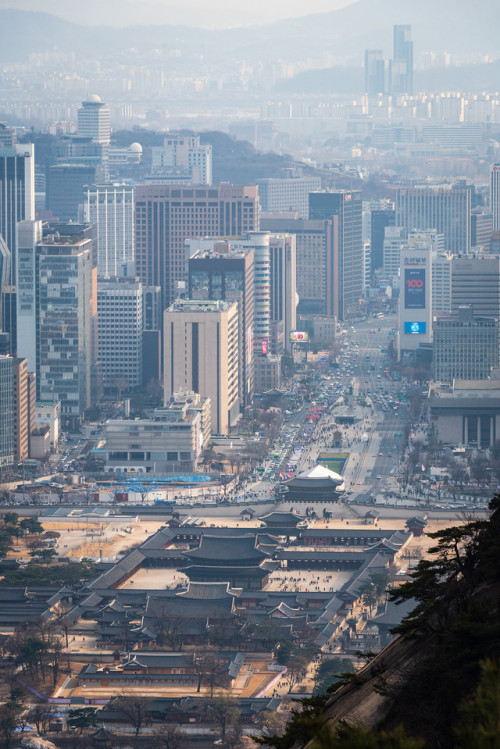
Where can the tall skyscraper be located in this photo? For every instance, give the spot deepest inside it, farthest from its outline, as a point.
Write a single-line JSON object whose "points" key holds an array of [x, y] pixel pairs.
{"points": [[17, 192], [111, 207], [6, 289], [6, 412], [165, 216], [201, 354], [262, 292], [283, 254], [29, 234], [314, 261], [475, 280], [220, 270], [63, 290], [441, 281], [395, 238], [120, 326], [94, 119], [23, 409], [374, 72], [346, 271], [17, 202], [446, 208], [401, 66], [415, 298], [182, 160], [494, 196], [380, 219]]}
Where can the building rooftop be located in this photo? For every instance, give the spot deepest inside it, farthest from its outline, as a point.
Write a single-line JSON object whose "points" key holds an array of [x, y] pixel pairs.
{"points": [[317, 475], [200, 305], [221, 548], [478, 390]]}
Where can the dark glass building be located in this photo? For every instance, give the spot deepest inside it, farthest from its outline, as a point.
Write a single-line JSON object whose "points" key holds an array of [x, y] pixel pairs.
{"points": [[228, 274], [347, 275]]}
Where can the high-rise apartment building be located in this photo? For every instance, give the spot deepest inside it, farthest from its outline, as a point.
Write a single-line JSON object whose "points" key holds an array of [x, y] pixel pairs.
{"points": [[374, 72], [494, 196], [94, 120], [111, 207], [220, 270], [290, 194], [465, 346], [6, 412], [182, 160], [346, 278], [401, 66], [201, 354], [166, 215], [445, 208], [120, 326]]}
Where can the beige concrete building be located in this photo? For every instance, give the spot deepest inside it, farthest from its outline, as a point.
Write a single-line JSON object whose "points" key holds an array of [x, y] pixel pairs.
{"points": [[467, 412], [172, 440], [22, 410], [201, 353]]}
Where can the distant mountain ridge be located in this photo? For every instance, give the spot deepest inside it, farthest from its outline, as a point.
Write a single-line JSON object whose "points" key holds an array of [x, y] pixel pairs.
{"points": [[440, 25]]}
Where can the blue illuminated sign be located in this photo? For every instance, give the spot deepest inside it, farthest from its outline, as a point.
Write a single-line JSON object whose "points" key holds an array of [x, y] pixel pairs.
{"points": [[415, 328]]}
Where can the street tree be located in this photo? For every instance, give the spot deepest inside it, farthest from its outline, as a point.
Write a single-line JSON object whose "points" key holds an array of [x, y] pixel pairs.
{"points": [[270, 723], [10, 715], [41, 716], [134, 709], [169, 737], [82, 717], [296, 670], [211, 670], [31, 526], [223, 712], [330, 672]]}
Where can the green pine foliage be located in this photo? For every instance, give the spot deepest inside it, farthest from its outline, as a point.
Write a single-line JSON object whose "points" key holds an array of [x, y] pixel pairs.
{"points": [[445, 687]]}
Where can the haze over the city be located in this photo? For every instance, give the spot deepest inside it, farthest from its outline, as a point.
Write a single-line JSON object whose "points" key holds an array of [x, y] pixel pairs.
{"points": [[197, 13], [249, 374]]}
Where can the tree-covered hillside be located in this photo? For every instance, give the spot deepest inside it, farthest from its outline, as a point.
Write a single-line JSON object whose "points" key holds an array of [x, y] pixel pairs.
{"points": [[437, 686]]}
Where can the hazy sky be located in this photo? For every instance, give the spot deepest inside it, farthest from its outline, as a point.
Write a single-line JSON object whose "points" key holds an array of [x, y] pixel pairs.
{"points": [[207, 13]]}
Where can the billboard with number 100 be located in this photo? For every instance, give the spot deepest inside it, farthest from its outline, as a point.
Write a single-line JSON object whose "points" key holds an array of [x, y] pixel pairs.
{"points": [[414, 288]]}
